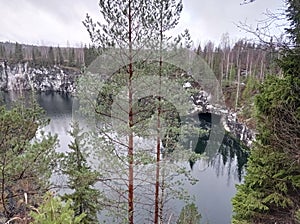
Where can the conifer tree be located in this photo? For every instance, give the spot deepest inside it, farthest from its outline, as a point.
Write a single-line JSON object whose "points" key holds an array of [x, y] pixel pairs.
{"points": [[38, 55], [270, 192], [189, 215], [54, 211], [2, 52], [26, 161], [130, 32], [81, 178], [33, 55], [124, 28], [72, 61], [60, 56], [90, 54], [18, 52], [51, 57], [293, 16], [164, 17]]}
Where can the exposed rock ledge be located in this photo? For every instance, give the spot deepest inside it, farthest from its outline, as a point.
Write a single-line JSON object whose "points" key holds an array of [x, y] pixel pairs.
{"points": [[229, 117], [62, 79], [24, 77]]}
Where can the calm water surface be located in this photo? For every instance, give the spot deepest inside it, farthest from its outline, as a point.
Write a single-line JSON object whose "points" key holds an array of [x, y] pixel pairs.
{"points": [[217, 175]]}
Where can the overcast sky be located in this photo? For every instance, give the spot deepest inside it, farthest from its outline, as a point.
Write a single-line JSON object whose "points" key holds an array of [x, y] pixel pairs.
{"points": [[56, 22]]}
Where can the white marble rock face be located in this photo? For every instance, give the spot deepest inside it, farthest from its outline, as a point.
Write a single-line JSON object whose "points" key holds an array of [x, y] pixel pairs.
{"points": [[24, 77]]}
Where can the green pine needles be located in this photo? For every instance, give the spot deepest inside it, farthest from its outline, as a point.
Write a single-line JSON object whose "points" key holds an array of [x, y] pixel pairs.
{"points": [[271, 190], [272, 184], [81, 178]]}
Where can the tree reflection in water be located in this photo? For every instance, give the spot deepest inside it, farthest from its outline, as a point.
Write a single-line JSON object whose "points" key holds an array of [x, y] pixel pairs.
{"points": [[230, 153]]}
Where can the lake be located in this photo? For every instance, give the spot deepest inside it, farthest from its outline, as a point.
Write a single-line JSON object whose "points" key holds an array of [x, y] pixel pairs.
{"points": [[218, 174]]}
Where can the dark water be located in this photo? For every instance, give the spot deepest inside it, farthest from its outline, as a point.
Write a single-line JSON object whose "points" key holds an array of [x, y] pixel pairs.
{"points": [[217, 174]]}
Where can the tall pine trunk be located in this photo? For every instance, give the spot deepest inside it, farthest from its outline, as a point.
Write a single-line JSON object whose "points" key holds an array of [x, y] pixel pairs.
{"points": [[130, 123], [157, 182]]}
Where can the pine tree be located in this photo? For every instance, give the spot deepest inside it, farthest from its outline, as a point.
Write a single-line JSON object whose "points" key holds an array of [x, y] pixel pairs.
{"points": [[54, 211], [60, 56], [130, 32], [289, 62], [40, 60], [26, 162], [2, 52], [90, 54], [51, 57], [293, 16], [189, 215], [271, 184], [124, 28], [33, 55], [18, 52], [167, 14], [81, 178], [72, 61]]}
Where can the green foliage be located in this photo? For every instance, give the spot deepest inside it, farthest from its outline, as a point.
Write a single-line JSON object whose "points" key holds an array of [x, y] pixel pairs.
{"points": [[115, 30], [131, 31], [217, 63], [273, 174], [33, 55], [271, 189], [297, 215], [81, 178], [145, 108], [251, 87], [189, 214], [248, 94], [290, 61], [51, 57], [2, 52], [54, 211], [72, 60], [232, 74], [90, 54], [268, 186], [18, 56], [278, 98], [60, 56], [26, 161], [293, 16]]}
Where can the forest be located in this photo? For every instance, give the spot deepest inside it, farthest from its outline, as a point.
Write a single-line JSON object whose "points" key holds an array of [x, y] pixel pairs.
{"points": [[259, 80]]}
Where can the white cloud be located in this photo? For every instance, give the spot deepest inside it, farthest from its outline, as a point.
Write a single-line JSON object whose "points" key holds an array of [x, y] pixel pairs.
{"points": [[56, 22]]}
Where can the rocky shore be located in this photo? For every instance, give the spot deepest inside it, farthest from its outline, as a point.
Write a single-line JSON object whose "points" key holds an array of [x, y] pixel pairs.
{"points": [[22, 76], [229, 117]]}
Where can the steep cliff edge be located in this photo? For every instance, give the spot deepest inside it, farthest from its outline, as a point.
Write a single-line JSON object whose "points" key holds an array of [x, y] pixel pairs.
{"points": [[22, 76]]}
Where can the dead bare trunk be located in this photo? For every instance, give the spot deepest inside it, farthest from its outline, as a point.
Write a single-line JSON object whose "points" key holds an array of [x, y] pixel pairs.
{"points": [[238, 63], [238, 85], [247, 62], [262, 66], [251, 62]]}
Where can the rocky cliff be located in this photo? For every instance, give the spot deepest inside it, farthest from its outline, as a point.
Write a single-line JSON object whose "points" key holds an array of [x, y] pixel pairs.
{"points": [[22, 76], [229, 117]]}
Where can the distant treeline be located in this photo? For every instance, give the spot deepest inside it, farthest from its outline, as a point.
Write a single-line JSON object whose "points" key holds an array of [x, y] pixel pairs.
{"points": [[230, 62], [241, 59], [47, 55]]}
